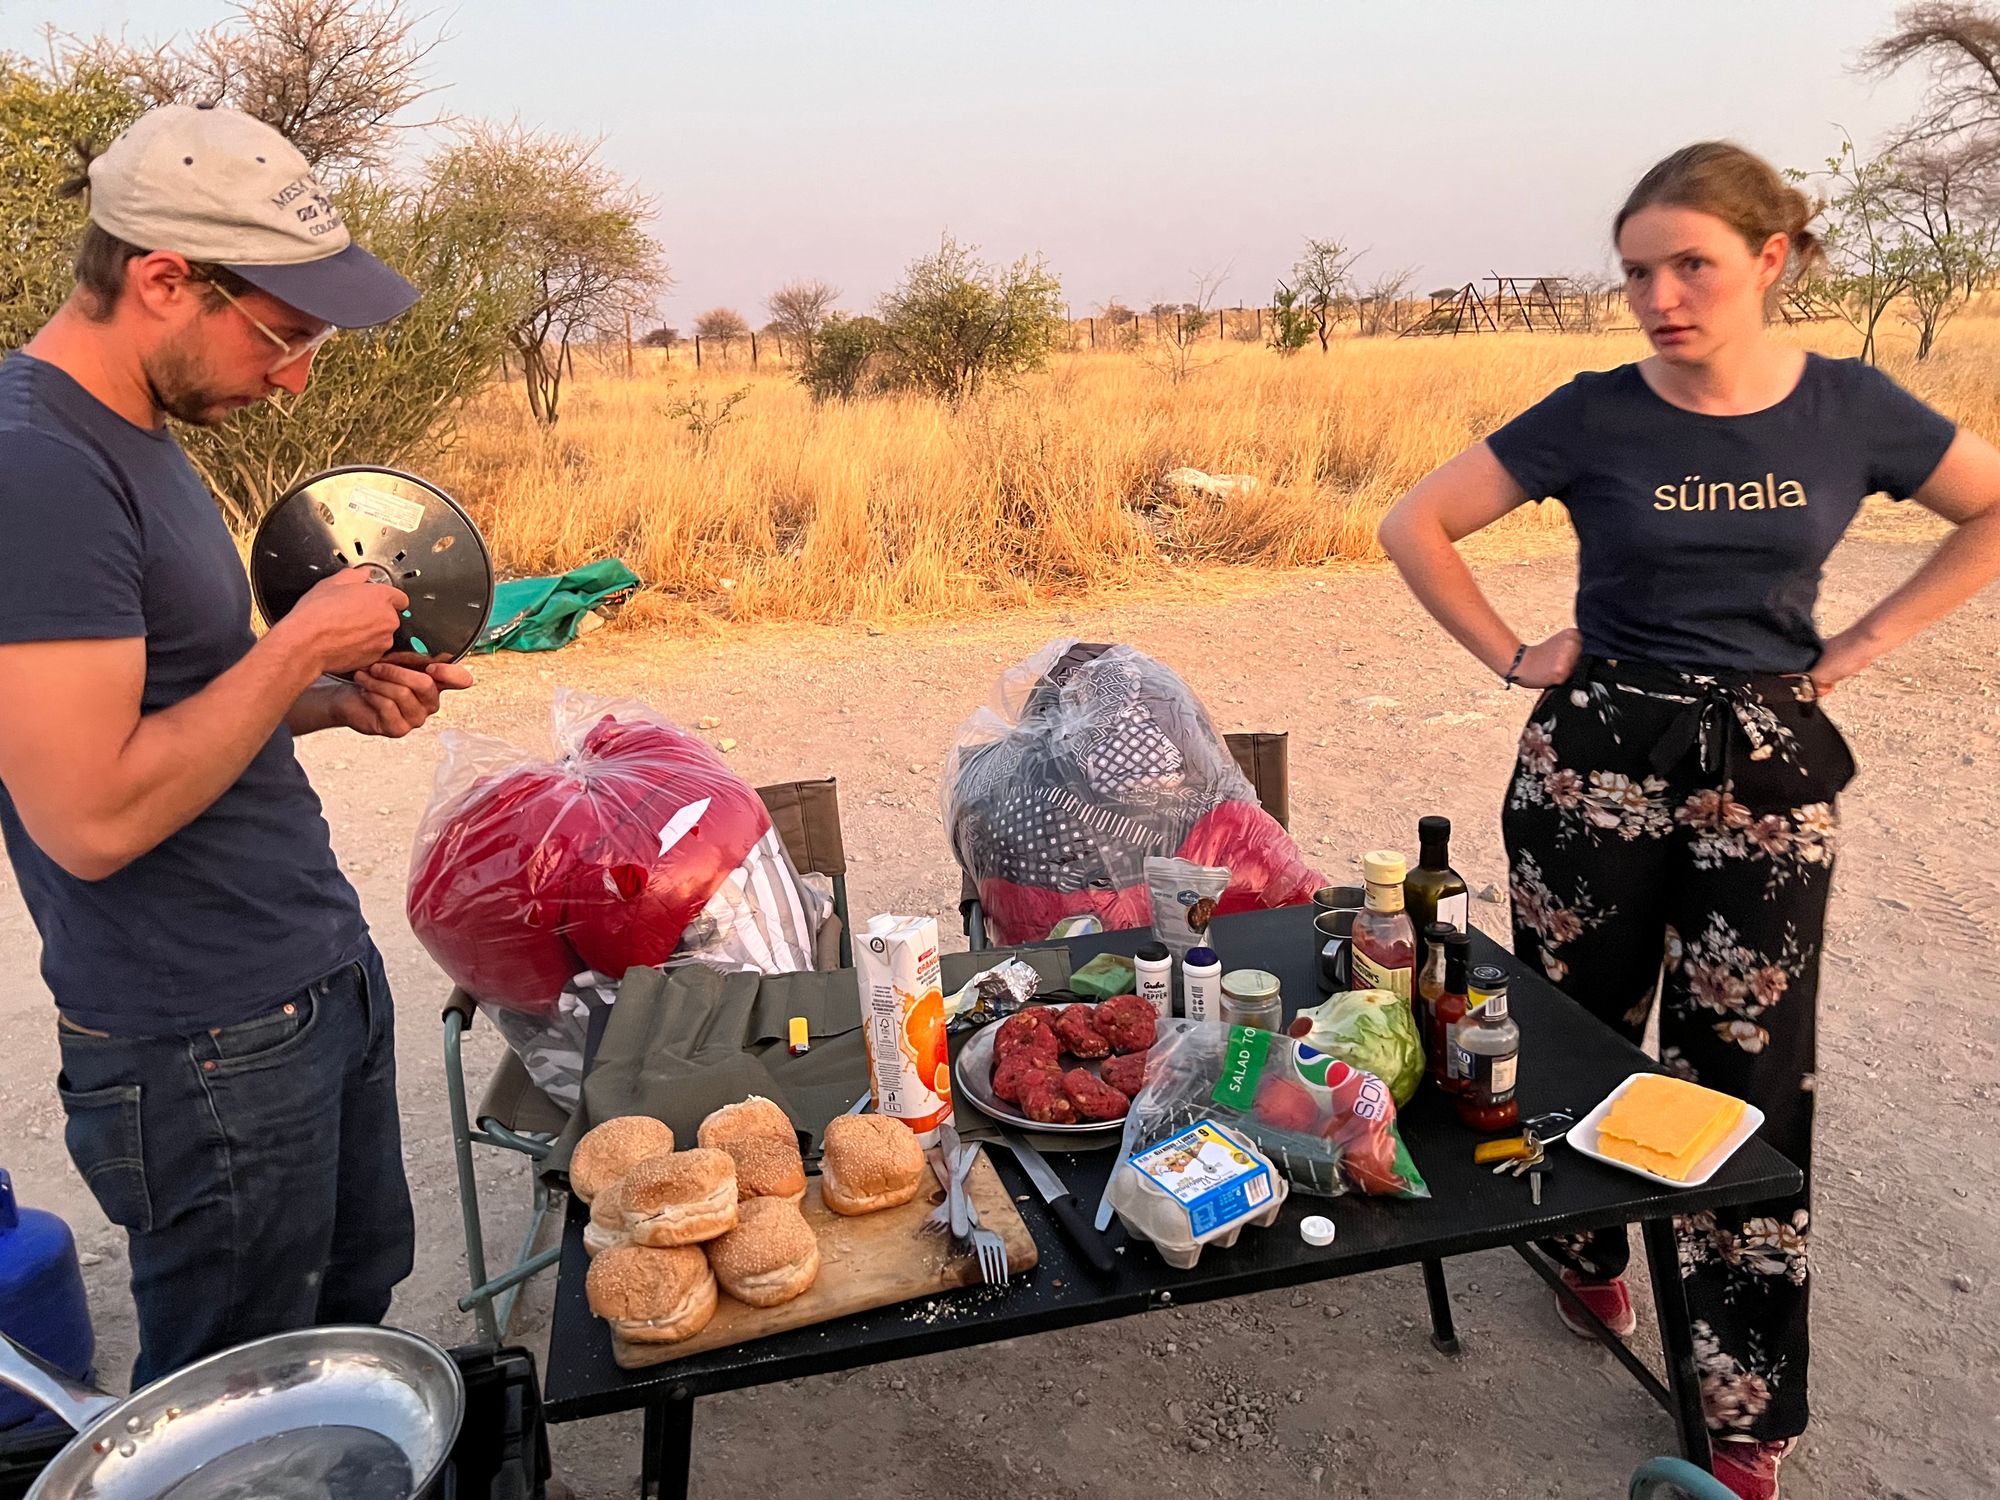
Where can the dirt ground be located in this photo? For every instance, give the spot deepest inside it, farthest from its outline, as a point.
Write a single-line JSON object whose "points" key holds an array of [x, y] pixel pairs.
{"points": [[1333, 1391]]}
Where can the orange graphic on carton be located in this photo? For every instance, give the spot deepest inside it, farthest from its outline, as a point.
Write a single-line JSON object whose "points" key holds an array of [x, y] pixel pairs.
{"points": [[903, 1020]]}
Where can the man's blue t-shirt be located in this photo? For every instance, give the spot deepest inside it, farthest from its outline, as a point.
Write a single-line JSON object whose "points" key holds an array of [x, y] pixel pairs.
{"points": [[110, 534], [1701, 538]]}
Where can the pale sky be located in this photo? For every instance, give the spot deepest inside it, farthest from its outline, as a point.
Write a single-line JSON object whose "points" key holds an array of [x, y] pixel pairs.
{"points": [[1133, 144]]}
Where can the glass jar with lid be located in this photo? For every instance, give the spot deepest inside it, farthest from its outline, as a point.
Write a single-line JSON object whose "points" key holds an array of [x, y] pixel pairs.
{"points": [[1251, 997]]}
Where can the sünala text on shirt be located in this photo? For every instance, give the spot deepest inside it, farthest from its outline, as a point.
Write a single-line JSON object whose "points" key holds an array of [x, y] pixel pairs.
{"points": [[1769, 493]]}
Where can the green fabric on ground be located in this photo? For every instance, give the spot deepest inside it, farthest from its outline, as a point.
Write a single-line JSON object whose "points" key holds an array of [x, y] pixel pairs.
{"points": [[541, 614]]}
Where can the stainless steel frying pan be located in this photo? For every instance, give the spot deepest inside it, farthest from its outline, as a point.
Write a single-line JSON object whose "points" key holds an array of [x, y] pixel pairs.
{"points": [[336, 1413]]}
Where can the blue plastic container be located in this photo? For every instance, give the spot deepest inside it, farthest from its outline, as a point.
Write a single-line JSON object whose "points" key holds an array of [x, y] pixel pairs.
{"points": [[42, 1306]]}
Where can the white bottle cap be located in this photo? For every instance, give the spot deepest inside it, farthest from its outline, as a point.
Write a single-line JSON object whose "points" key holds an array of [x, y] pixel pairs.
{"points": [[1317, 1231]]}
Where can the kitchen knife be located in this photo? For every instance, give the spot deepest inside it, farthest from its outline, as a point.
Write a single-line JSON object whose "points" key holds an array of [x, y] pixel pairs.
{"points": [[1065, 1205]]}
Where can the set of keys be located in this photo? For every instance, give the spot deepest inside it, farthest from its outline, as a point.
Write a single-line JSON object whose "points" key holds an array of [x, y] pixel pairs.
{"points": [[1527, 1153]]}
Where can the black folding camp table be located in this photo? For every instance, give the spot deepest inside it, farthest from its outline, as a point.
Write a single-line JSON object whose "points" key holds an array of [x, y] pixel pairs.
{"points": [[1569, 1061]]}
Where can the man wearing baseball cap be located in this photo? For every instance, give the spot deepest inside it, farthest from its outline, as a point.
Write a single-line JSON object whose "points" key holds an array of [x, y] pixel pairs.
{"points": [[228, 1068]]}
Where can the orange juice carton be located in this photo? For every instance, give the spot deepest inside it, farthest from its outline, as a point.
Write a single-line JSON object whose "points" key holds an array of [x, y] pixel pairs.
{"points": [[902, 1017]]}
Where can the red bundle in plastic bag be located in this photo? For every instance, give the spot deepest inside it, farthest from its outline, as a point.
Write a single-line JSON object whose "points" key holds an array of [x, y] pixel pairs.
{"points": [[527, 871]]}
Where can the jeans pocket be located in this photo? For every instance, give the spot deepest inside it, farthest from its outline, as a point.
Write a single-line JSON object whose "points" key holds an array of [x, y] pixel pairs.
{"points": [[267, 1039], [103, 1136]]}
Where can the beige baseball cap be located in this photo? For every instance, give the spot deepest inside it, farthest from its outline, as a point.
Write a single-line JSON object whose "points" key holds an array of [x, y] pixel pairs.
{"points": [[223, 188]]}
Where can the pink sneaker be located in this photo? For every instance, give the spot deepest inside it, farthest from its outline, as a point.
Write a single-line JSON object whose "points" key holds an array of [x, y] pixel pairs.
{"points": [[1607, 1299], [1751, 1469]]}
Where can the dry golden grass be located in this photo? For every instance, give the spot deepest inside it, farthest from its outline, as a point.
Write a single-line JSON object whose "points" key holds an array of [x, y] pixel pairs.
{"points": [[901, 508]]}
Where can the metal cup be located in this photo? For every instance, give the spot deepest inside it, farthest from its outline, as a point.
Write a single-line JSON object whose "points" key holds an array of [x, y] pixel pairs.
{"points": [[1340, 898], [1333, 939]]}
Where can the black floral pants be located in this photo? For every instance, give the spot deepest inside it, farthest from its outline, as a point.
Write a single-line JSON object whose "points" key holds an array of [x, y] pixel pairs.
{"points": [[1659, 818]]}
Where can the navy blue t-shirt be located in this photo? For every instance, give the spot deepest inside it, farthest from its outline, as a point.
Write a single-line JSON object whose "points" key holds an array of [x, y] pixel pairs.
{"points": [[110, 534], [1701, 538]]}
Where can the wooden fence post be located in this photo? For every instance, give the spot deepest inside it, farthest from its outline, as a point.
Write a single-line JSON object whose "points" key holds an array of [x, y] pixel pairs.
{"points": [[1093, 331], [753, 348], [697, 351], [628, 346]]}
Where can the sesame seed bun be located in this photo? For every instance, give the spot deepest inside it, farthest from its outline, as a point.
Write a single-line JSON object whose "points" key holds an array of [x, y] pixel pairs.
{"points": [[681, 1198], [869, 1162], [767, 1167], [755, 1116], [770, 1257], [606, 1229], [652, 1296], [609, 1151]]}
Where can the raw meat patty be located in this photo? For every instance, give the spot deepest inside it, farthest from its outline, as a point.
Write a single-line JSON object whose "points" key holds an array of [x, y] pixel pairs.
{"points": [[1126, 1074], [1013, 1075], [1077, 1027], [1093, 1097], [1026, 1031], [1045, 1102], [1128, 1023]]}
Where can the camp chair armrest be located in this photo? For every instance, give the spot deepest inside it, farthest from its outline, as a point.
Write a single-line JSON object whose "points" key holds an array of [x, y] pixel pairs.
{"points": [[499, 1135]]}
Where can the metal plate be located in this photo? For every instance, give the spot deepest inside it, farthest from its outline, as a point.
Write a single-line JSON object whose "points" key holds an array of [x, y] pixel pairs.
{"points": [[972, 1077], [405, 529]]}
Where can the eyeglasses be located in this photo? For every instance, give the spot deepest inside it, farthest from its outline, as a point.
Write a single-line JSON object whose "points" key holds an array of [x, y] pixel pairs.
{"points": [[289, 354]]}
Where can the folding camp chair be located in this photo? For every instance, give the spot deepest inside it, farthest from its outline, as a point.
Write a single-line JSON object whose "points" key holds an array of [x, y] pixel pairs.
{"points": [[514, 1115], [1263, 757]]}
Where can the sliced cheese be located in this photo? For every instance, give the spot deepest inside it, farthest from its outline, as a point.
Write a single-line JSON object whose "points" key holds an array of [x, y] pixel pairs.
{"points": [[1667, 1125]]}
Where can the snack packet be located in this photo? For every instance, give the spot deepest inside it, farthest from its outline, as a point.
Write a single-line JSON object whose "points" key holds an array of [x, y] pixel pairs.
{"points": [[1184, 897]]}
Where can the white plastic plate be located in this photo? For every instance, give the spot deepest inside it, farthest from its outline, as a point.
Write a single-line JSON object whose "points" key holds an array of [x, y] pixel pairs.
{"points": [[1583, 1136]]}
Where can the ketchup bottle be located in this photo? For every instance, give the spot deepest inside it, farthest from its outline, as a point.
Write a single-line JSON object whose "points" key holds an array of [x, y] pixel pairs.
{"points": [[1448, 1014]]}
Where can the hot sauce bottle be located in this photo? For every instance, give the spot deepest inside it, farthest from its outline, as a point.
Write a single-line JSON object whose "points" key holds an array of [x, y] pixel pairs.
{"points": [[1385, 944], [1430, 980], [1448, 1013]]}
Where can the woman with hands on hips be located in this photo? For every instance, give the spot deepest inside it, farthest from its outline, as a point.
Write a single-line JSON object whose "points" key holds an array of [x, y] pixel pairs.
{"points": [[1673, 804]]}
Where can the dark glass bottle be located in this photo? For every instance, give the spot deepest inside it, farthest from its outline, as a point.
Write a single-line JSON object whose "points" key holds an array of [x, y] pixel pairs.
{"points": [[1434, 891], [1449, 1012]]}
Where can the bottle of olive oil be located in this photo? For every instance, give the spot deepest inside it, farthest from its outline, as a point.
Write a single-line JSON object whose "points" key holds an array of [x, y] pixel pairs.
{"points": [[1434, 891]]}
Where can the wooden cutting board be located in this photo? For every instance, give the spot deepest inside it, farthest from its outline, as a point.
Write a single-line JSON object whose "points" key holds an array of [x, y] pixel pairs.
{"points": [[875, 1260]]}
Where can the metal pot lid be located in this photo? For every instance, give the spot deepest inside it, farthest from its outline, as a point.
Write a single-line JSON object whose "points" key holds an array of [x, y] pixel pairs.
{"points": [[406, 530]]}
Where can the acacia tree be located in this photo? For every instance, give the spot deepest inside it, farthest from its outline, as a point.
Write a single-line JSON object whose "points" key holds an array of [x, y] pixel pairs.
{"points": [[955, 322], [721, 325], [1869, 264], [579, 258], [386, 395], [41, 116], [1323, 279], [1958, 42], [1176, 353], [390, 394], [1942, 204], [1378, 307], [799, 310], [335, 77]]}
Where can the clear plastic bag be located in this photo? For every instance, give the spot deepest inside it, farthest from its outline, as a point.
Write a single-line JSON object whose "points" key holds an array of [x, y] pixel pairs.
{"points": [[637, 845], [1328, 1127], [1090, 759]]}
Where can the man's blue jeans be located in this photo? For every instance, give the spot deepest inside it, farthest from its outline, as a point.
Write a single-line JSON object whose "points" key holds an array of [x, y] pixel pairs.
{"points": [[256, 1169]]}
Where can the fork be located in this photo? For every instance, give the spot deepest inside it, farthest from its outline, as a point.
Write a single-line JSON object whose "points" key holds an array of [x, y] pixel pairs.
{"points": [[952, 1176], [992, 1253], [988, 1246]]}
